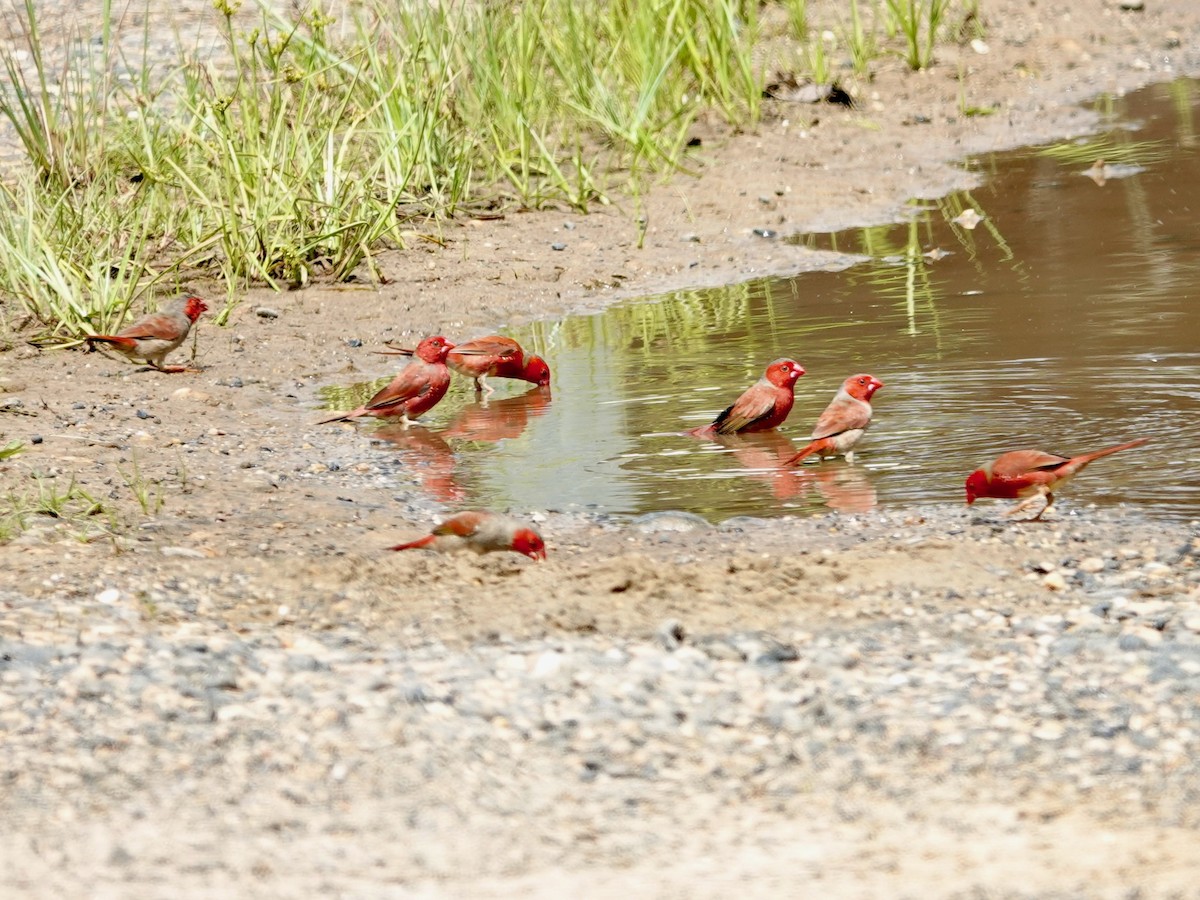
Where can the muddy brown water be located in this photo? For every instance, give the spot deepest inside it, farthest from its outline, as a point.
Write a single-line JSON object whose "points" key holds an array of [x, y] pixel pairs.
{"points": [[1066, 319]]}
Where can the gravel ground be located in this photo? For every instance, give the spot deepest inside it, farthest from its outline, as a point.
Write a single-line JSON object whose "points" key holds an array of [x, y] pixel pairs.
{"points": [[160, 743]]}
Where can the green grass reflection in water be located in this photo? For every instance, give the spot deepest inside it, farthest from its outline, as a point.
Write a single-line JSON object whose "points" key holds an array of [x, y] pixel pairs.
{"points": [[1064, 320]]}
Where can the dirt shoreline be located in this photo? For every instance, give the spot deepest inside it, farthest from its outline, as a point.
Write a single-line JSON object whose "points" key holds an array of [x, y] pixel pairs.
{"points": [[271, 529]]}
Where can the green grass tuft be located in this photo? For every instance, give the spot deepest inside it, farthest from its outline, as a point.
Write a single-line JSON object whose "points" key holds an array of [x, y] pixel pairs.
{"points": [[316, 143]]}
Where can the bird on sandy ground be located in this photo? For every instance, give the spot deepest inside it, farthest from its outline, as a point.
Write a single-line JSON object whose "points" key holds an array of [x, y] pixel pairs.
{"points": [[844, 421], [763, 405], [153, 337], [415, 390], [1030, 474], [481, 531], [497, 356]]}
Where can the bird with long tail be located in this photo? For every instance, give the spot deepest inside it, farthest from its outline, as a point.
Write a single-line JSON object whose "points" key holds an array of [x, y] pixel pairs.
{"points": [[762, 406], [843, 423], [153, 337], [1030, 474], [496, 356], [418, 388], [481, 531]]}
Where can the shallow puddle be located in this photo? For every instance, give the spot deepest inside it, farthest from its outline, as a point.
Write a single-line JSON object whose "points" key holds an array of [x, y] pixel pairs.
{"points": [[1065, 320]]}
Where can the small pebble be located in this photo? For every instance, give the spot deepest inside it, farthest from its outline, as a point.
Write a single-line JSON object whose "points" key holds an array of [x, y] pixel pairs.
{"points": [[1049, 731], [968, 218], [671, 634], [670, 520], [1055, 581]]}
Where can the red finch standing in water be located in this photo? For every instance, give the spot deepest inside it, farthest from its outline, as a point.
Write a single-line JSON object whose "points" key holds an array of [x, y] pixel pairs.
{"points": [[416, 390], [500, 357], [1030, 474], [844, 421], [763, 406], [480, 531], [495, 355], [154, 336]]}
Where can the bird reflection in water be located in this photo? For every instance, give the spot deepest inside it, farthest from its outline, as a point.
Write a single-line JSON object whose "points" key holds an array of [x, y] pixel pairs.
{"points": [[430, 455], [841, 486], [499, 420], [764, 453]]}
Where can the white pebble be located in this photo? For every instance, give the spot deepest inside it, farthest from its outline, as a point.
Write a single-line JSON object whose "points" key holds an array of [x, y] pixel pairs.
{"points": [[1055, 581], [1048, 731]]}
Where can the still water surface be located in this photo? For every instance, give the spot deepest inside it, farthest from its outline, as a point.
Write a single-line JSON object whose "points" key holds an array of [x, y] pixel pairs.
{"points": [[1065, 320]]}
